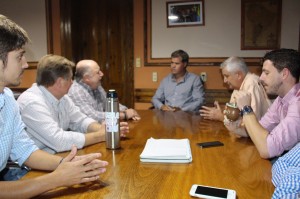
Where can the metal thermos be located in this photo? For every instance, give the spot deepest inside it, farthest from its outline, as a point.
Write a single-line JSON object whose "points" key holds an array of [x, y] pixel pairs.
{"points": [[112, 134]]}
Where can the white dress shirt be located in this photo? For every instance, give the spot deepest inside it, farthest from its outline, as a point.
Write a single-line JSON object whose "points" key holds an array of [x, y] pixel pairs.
{"points": [[54, 125]]}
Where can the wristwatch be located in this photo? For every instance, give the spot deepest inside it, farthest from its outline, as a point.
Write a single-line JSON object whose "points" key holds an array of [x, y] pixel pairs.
{"points": [[246, 110]]}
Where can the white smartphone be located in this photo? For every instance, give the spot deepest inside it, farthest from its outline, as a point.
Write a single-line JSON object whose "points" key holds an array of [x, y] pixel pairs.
{"points": [[208, 192]]}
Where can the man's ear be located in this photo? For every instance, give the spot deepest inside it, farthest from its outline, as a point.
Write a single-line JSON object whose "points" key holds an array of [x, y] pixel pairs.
{"points": [[86, 78], [239, 75], [58, 83], [185, 64], [285, 73]]}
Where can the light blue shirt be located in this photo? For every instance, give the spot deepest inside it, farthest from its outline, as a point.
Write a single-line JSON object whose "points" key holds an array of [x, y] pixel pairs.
{"points": [[286, 175], [14, 141], [188, 94]]}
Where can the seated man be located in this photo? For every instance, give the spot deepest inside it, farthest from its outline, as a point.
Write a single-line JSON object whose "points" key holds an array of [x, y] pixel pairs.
{"points": [[180, 90], [15, 143], [237, 76], [286, 175], [279, 129], [88, 94], [52, 119]]}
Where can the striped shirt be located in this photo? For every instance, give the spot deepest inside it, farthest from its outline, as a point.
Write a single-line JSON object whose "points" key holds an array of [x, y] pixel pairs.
{"points": [[286, 175], [14, 141], [282, 122], [91, 102]]}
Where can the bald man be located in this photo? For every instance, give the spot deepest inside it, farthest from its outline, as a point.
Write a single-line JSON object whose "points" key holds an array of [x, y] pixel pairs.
{"points": [[88, 94]]}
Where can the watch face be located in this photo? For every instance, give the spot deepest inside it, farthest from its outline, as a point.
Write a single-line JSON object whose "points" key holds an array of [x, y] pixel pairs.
{"points": [[246, 110]]}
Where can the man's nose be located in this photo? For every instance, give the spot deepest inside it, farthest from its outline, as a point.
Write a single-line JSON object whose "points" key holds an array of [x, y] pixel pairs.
{"points": [[24, 62]]}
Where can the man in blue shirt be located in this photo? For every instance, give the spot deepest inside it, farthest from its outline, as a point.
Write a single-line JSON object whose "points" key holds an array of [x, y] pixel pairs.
{"points": [[286, 175], [14, 141], [180, 90]]}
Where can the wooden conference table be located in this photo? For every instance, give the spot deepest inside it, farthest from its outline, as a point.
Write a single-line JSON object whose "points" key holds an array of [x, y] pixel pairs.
{"points": [[236, 165]]}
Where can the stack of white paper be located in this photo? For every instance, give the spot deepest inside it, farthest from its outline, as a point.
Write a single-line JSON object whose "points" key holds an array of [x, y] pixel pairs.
{"points": [[167, 150]]}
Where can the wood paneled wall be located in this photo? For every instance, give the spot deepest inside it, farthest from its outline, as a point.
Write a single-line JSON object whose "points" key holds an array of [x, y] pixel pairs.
{"points": [[103, 31]]}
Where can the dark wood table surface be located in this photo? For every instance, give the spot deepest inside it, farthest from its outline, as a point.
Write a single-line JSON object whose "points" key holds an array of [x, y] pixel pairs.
{"points": [[236, 165]]}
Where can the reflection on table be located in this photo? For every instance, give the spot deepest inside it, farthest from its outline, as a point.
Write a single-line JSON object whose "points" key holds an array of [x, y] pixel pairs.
{"points": [[236, 165]]}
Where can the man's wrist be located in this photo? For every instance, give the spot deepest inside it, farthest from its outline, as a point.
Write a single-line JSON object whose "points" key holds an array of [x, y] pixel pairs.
{"points": [[246, 110]]}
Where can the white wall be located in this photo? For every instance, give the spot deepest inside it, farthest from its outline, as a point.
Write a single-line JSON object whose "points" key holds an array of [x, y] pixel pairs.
{"points": [[31, 15], [221, 34], [219, 37]]}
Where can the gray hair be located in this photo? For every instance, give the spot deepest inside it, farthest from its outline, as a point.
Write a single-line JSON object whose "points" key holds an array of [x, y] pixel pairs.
{"points": [[81, 71], [234, 64]]}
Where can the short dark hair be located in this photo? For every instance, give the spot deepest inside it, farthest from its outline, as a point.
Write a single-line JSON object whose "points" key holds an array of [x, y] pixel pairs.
{"points": [[12, 37], [285, 58], [51, 67], [182, 54]]}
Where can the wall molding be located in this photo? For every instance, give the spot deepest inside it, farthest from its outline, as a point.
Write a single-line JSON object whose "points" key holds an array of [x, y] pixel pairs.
{"points": [[32, 65], [149, 60], [144, 95]]}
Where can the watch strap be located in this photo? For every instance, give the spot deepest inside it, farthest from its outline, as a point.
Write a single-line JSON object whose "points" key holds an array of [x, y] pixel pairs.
{"points": [[246, 110]]}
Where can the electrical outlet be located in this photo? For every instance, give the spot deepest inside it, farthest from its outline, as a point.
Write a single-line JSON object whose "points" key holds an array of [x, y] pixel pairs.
{"points": [[138, 62], [154, 76], [203, 76]]}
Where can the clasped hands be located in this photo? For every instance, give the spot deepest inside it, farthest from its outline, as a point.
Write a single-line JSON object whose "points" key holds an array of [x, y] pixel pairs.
{"points": [[79, 169], [130, 114], [169, 108]]}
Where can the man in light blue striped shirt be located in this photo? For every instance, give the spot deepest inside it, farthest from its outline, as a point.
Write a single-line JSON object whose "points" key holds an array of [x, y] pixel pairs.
{"points": [[15, 143], [286, 175]]}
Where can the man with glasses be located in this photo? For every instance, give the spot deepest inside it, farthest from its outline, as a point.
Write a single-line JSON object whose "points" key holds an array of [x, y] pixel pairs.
{"points": [[88, 94], [53, 121]]}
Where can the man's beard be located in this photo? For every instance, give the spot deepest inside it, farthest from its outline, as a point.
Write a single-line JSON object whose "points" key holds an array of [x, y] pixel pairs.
{"points": [[273, 89]]}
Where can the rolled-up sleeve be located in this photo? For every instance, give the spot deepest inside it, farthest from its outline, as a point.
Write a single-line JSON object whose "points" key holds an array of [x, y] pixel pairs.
{"points": [[22, 146], [287, 132], [159, 98]]}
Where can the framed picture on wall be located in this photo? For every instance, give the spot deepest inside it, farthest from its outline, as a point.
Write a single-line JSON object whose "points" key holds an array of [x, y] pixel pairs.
{"points": [[185, 13], [261, 24]]}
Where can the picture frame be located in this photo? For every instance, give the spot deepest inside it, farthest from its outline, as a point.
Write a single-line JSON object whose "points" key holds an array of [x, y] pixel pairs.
{"points": [[260, 24], [185, 13]]}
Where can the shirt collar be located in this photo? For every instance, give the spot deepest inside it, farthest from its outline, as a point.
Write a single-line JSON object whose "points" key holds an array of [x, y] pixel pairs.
{"points": [[49, 96], [183, 79], [1, 100], [293, 92], [84, 85]]}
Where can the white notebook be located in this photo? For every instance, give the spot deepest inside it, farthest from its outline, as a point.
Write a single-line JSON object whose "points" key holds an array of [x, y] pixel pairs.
{"points": [[167, 150]]}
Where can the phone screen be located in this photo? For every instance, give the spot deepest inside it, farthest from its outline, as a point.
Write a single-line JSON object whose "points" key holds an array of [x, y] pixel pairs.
{"points": [[222, 193]]}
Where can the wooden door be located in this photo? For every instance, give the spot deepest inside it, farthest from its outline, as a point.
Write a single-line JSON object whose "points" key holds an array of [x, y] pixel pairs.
{"points": [[102, 30]]}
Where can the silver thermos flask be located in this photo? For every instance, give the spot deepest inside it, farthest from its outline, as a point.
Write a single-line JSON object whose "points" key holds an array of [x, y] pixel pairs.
{"points": [[112, 133]]}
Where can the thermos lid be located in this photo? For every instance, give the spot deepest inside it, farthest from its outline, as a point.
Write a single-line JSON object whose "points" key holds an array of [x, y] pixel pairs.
{"points": [[112, 93]]}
